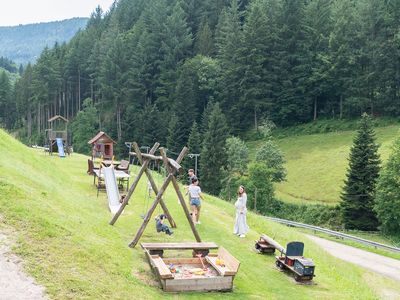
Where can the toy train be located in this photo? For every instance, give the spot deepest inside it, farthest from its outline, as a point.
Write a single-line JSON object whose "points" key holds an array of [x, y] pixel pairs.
{"points": [[291, 259]]}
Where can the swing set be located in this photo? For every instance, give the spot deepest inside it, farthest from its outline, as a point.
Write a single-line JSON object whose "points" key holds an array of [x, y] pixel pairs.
{"points": [[172, 168], [204, 271]]}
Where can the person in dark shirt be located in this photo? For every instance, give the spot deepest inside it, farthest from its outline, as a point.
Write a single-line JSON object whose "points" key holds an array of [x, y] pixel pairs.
{"points": [[191, 176], [160, 227]]}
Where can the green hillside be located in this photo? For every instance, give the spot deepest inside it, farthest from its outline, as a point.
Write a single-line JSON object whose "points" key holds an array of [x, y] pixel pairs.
{"points": [[62, 234], [317, 163]]}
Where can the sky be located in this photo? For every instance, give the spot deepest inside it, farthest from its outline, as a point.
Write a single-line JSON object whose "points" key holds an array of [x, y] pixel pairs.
{"points": [[15, 12]]}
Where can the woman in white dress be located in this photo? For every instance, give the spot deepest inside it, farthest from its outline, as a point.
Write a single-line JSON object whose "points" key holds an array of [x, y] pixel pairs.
{"points": [[241, 227]]}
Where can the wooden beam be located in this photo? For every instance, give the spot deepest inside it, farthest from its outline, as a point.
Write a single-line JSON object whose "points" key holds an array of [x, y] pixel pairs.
{"points": [[133, 186], [154, 186], [156, 201], [171, 162], [179, 246]]}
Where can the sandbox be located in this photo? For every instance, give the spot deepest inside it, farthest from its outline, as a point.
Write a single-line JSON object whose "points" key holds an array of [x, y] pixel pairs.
{"points": [[203, 272]]}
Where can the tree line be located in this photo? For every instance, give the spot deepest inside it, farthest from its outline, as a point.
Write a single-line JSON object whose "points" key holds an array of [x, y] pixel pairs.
{"points": [[290, 61]]}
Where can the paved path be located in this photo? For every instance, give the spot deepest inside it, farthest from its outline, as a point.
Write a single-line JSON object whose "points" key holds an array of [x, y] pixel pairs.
{"points": [[377, 263], [14, 283]]}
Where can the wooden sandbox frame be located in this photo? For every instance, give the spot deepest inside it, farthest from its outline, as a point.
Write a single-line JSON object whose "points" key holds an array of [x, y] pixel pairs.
{"points": [[223, 274]]}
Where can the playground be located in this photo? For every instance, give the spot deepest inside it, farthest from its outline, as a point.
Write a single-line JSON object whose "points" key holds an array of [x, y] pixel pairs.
{"points": [[63, 235]]}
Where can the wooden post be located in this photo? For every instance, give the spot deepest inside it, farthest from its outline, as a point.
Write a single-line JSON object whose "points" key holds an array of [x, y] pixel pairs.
{"points": [[154, 186], [180, 197], [157, 200], [133, 186]]}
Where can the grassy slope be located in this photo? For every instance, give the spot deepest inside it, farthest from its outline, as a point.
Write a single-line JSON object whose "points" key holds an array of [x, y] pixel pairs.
{"points": [[63, 235], [317, 163]]}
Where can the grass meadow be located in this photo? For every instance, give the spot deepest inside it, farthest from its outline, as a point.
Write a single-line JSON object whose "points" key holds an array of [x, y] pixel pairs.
{"points": [[317, 163], [49, 207]]}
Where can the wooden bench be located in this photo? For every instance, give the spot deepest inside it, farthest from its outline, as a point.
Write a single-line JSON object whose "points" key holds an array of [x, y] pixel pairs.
{"points": [[161, 267], [198, 248], [230, 264]]}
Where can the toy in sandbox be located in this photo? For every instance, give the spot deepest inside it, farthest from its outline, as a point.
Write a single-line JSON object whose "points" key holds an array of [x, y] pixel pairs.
{"points": [[291, 258], [200, 272], [57, 136]]}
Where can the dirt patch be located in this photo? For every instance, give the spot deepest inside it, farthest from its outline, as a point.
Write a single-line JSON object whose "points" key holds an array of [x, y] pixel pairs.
{"points": [[14, 283]]}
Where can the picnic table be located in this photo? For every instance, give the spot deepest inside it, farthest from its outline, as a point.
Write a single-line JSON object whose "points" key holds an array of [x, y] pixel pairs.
{"points": [[121, 176]]}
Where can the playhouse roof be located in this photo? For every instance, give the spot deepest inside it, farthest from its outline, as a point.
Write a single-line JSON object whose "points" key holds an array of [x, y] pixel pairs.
{"points": [[56, 117], [101, 135]]}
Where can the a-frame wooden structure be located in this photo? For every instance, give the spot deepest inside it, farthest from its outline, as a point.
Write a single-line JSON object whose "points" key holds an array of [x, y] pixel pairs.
{"points": [[172, 167]]}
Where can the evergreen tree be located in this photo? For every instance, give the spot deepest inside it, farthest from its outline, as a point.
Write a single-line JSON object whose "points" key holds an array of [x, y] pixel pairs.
{"points": [[194, 141], [194, 145], [213, 152], [318, 26], [362, 174], [387, 200], [256, 66], [176, 46], [292, 65], [228, 42], [6, 109], [204, 43], [343, 44], [173, 138]]}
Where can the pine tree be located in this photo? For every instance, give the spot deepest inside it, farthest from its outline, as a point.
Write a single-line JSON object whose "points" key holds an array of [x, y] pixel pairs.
{"points": [[194, 145], [228, 40], [176, 46], [362, 174], [213, 152], [204, 43], [387, 200], [173, 143], [6, 109]]}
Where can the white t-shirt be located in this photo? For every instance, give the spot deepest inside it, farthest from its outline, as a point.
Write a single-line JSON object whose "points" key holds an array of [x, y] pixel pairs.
{"points": [[194, 191]]}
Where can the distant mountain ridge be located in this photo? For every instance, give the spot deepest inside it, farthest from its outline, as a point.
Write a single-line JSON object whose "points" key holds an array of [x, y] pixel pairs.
{"points": [[24, 43]]}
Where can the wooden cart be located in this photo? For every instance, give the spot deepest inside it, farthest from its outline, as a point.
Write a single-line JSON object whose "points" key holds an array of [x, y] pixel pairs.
{"points": [[293, 260], [203, 272]]}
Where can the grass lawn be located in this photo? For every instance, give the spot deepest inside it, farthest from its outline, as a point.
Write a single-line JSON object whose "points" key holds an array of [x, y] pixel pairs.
{"points": [[317, 163], [62, 233]]}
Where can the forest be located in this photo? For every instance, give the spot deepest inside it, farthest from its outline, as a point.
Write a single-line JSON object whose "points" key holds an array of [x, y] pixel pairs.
{"points": [[155, 70]]}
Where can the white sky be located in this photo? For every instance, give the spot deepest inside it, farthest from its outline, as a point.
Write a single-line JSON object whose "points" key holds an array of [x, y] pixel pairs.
{"points": [[15, 12]]}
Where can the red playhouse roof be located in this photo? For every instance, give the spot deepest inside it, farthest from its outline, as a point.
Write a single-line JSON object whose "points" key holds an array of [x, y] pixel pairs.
{"points": [[101, 135]]}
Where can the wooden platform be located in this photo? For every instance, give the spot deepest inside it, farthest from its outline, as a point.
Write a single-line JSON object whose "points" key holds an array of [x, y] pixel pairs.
{"points": [[214, 272]]}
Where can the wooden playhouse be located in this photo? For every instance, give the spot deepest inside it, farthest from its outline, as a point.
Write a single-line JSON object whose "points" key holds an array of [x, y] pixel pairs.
{"points": [[102, 146]]}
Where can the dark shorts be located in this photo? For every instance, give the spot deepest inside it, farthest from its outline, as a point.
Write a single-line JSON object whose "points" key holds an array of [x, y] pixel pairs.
{"points": [[195, 201]]}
